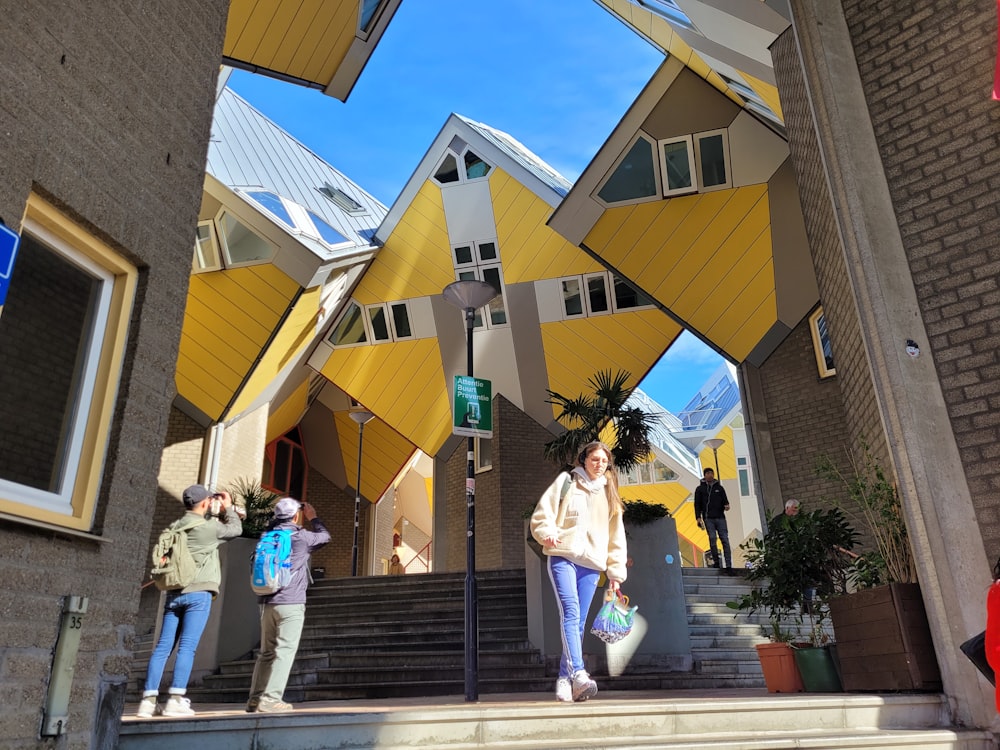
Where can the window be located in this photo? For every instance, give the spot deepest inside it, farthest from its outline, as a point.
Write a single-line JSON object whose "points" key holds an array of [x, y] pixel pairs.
{"points": [[473, 166], [327, 233], [589, 295], [698, 162], [75, 294], [341, 199], [650, 472], [484, 454], [240, 244], [272, 203], [635, 175], [743, 475], [669, 10], [497, 308], [370, 11], [206, 248], [822, 347], [375, 323], [475, 252], [677, 164], [285, 465]]}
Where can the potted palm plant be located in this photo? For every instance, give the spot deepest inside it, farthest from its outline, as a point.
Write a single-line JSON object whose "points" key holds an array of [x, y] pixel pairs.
{"points": [[796, 567], [883, 638]]}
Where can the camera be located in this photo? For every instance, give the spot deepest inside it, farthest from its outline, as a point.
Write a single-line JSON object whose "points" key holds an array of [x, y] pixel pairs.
{"points": [[215, 509]]}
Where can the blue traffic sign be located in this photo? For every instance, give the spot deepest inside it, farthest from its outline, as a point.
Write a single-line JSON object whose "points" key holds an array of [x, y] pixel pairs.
{"points": [[9, 240]]}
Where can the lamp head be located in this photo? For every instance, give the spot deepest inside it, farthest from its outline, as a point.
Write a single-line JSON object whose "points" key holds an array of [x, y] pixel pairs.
{"points": [[469, 294]]}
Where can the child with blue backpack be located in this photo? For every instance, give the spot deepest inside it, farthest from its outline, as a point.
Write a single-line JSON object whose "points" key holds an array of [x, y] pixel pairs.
{"points": [[283, 612]]}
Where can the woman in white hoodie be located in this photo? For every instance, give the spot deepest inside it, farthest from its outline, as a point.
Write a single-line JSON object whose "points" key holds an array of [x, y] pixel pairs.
{"points": [[578, 522]]}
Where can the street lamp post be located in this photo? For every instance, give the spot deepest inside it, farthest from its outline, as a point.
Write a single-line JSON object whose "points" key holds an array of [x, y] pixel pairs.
{"points": [[362, 417], [715, 444], [469, 295]]}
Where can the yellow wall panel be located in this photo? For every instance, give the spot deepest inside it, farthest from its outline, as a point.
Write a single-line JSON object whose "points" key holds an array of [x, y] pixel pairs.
{"points": [[766, 91], [385, 452], [697, 272], [416, 404], [287, 414], [727, 456]]}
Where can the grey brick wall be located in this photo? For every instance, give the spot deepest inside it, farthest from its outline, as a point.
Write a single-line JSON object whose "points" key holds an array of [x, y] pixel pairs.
{"points": [[927, 68], [106, 112], [335, 507]]}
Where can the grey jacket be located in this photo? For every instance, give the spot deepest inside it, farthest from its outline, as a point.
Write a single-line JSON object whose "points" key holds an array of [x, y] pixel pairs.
{"points": [[304, 542]]}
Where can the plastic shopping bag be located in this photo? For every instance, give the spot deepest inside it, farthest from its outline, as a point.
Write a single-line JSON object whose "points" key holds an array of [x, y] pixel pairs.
{"points": [[614, 619]]}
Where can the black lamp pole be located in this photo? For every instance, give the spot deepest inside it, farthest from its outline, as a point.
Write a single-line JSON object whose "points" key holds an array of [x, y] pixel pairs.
{"points": [[470, 295], [362, 417]]}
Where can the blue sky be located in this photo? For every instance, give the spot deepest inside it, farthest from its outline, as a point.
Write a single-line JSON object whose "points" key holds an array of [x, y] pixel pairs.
{"points": [[539, 70]]}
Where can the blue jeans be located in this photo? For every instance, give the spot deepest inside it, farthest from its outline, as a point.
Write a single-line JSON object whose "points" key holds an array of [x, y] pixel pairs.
{"points": [[184, 620], [717, 527], [574, 586]]}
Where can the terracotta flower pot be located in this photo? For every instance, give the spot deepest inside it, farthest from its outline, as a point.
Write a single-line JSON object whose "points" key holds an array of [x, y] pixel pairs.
{"points": [[781, 673]]}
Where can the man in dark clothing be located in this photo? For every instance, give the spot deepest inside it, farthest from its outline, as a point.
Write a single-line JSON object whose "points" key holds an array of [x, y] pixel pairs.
{"points": [[283, 613], [710, 506]]}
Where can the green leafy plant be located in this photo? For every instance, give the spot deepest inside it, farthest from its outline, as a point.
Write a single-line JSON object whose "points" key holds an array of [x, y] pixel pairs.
{"points": [[258, 503], [800, 562], [873, 503], [586, 416], [639, 512]]}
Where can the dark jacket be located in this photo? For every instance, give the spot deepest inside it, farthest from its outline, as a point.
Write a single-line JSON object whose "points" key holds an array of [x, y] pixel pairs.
{"points": [[303, 543], [710, 502], [204, 537]]}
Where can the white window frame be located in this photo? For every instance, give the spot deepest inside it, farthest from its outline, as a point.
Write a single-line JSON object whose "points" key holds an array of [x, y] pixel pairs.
{"points": [[88, 419], [657, 174], [483, 463], [664, 172], [608, 279], [463, 176], [369, 327], [743, 470], [476, 272], [224, 240], [212, 242], [698, 138]]}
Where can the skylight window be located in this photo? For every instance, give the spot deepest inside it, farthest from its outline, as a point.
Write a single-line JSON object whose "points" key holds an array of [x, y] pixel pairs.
{"points": [[272, 203], [342, 199], [327, 233]]}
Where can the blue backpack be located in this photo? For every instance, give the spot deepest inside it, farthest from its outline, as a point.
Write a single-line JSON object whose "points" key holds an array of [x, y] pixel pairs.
{"points": [[271, 564]]}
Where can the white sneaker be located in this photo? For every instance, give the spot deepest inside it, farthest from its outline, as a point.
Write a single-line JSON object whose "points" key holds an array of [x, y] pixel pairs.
{"points": [[564, 690], [178, 705], [147, 707], [583, 686]]}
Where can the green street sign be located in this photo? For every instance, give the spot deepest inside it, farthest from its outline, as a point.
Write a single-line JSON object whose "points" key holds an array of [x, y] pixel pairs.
{"points": [[473, 407]]}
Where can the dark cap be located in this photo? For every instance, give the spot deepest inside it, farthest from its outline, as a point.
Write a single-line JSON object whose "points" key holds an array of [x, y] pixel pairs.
{"points": [[195, 494]]}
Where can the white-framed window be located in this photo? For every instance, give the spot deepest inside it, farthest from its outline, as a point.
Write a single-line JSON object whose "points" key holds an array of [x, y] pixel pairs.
{"points": [[369, 12], [475, 253], [75, 294], [341, 199], [822, 347], [372, 324], [484, 454], [743, 475], [599, 293], [650, 472], [461, 165], [497, 308], [241, 246], [677, 166], [206, 248], [634, 176]]}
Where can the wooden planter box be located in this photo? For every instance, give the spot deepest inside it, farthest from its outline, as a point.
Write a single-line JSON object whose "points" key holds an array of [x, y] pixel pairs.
{"points": [[883, 640]]}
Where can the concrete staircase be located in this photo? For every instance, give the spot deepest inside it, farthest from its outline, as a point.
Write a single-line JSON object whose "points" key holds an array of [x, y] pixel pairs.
{"points": [[397, 636], [688, 720]]}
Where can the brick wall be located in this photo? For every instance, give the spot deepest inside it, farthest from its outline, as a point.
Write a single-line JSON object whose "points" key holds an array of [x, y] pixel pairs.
{"points": [[806, 418], [519, 476], [926, 68], [335, 507], [861, 423], [106, 112]]}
